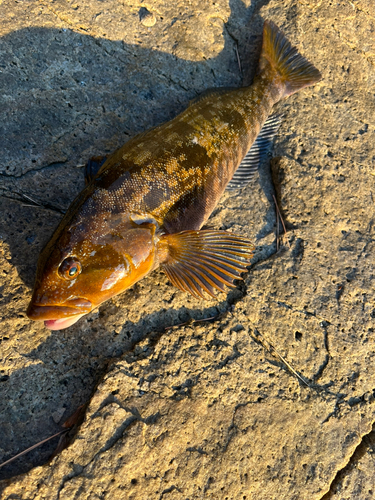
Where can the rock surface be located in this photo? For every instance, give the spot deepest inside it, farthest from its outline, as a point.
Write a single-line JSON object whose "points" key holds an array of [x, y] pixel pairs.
{"points": [[273, 397]]}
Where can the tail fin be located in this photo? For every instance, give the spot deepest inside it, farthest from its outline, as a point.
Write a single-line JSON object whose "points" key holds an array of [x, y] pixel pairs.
{"points": [[295, 71]]}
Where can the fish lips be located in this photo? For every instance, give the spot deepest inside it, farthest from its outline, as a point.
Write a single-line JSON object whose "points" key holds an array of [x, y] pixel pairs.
{"points": [[62, 323], [74, 307]]}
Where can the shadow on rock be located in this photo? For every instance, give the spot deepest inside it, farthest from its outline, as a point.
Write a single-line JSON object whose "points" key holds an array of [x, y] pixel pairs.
{"points": [[69, 96]]}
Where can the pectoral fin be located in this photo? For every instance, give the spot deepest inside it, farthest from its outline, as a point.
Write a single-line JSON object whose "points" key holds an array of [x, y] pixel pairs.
{"points": [[256, 154], [202, 261]]}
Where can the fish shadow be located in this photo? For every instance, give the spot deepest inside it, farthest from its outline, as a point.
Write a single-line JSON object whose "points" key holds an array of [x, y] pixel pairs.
{"points": [[74, 96]]}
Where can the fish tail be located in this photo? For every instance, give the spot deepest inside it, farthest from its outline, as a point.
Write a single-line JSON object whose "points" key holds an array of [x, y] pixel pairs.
{"points": [[294, 70]]}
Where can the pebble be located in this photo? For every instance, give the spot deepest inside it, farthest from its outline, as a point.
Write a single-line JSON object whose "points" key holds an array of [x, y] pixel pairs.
{"points": [[146, 17]]}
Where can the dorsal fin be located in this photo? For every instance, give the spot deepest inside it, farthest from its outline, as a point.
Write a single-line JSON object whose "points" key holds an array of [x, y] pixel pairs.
{"points": [[256, 154], [210, 92]]}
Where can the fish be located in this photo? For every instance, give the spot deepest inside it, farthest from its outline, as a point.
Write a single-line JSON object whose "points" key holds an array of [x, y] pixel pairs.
{"points": [[144, 206]]}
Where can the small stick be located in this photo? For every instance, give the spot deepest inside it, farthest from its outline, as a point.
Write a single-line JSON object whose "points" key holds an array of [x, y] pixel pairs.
{"points": [[39, 204], [238, 58], [277, 231], [30, 199], [32, 447], [34, 202], [282, 222], [192, 322], [268, 346]]}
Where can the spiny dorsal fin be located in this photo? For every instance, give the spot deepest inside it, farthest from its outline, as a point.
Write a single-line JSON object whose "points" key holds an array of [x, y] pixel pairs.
{"points": [[92, 167], [202, 261], [256, 154], [210, 92]]}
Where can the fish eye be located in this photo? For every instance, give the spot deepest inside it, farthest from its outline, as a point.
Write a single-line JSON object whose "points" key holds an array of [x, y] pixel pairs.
{"points": [[70, 268]]}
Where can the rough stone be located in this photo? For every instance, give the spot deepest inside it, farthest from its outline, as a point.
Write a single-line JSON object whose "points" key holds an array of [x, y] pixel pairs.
{"points": [[146, 17], [356, 480], [274, 396]]}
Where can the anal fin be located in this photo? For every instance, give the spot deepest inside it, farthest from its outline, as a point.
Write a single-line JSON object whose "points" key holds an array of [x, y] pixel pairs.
{"points": [[201, 262], [256, 154]]}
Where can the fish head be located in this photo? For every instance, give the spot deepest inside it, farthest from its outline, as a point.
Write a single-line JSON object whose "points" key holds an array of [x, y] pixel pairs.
{"points": [[87, 263]]}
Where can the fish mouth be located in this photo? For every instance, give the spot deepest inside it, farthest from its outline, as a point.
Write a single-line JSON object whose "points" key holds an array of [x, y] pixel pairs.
{"points": [[59, 316]]}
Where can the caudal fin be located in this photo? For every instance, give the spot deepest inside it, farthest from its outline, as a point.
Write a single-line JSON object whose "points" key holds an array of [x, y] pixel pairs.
{"points": [[295, 71]]}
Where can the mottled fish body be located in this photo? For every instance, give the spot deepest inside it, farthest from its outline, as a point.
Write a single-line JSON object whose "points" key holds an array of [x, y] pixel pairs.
{"points": [[147, 203]]}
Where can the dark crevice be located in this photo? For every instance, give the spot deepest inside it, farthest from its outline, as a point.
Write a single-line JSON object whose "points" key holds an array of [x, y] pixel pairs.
{"points": [[366, 445], [323, 366], [93, 372]]}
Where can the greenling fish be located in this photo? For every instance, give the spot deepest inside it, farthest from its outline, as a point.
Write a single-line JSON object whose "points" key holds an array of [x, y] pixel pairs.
{"points": [[146, 204]]}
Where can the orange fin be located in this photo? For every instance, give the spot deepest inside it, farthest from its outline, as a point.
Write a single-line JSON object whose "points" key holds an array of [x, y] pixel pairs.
{"points": [[295, 71], [202, 261]]}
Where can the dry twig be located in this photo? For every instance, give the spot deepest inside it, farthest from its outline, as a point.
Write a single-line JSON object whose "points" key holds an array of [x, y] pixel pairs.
{"points": [[193, 321], [271, 349], [33, 447], [32, 202], [278, 214], [238, 58]]}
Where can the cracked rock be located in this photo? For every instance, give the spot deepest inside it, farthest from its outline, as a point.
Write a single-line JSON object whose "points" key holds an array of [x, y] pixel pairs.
{"points": [[273, 396]]}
